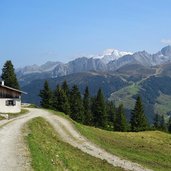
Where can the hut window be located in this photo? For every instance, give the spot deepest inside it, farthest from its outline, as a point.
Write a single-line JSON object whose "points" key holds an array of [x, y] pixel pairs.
{"points": [[10, 103]]}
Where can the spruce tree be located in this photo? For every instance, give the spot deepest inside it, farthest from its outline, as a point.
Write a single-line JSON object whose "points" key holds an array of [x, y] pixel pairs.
{"points": [[156, 121], [169, 125], [65, 88], [87, 108], [120, 123], [162, 124], [55, 99], [9, 76], [111, 111], [138, 118], [46, 96], [76, 105], [99, 110], [60, 101], [93, 100]]}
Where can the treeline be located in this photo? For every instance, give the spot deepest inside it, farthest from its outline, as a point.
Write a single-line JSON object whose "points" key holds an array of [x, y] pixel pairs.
{"points": [[93, 111], [160, 123]]}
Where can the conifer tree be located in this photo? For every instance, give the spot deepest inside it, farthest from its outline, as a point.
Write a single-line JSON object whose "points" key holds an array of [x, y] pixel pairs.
{"points": [[120, 123], [156, 121], [46, 96], [111, 111], [9, 76], [138, 118], [65, 88], [60, 101], [76, 105], [99, 110], [87, 107], [169, 125], [93, 100], [162, 124], [55, 99]]}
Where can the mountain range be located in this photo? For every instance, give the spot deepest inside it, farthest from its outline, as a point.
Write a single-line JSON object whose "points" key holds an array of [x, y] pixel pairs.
{"points": [[121, 75], [109, 61]]}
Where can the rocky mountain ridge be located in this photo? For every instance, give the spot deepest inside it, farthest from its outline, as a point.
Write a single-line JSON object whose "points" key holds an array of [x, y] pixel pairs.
{"points": [[109, 61], [121, 86]]}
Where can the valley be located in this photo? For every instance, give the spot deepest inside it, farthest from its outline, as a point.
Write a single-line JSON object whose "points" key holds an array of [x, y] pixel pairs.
{"points": [[120, 86]]}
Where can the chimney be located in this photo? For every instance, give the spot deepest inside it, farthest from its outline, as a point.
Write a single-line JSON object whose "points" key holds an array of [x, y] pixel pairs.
{"points": [[2, 83]]}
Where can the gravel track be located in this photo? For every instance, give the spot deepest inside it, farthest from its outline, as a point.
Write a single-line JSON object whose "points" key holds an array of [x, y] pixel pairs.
{"points": [[14, 155]]}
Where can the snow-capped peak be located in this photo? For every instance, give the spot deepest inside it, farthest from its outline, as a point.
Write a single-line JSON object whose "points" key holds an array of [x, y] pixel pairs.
{"points": [[111, 54]]}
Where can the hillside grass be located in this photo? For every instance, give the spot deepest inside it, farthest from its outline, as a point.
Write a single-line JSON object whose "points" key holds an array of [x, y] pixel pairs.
{"points": [[14, 115], [163, 104], [48, 152], [151, 149], [124, 96], [1, 118]]}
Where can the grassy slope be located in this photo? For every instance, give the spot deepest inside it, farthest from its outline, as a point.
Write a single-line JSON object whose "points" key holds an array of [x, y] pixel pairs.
{"points": [[163, 105], [1, 118], [14, 115], [124, 96], [151, 149], [48, 152]]}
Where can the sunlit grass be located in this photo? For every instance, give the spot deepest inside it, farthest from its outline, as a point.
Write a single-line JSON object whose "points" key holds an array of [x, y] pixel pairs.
{"points": [[48, 152], [151, 149]]}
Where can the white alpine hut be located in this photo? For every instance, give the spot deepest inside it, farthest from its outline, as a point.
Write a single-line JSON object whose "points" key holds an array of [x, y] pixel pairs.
{"points": [[10, 99]]}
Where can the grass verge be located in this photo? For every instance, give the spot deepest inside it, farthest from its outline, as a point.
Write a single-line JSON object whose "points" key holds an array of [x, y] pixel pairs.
{"points": [[2, 118], [14, 115], [151, 149], [30, 106], [48, 152]]}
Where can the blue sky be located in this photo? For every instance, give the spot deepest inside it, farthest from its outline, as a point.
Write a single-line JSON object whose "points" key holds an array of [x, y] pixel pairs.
{"points": [[36, 31]]}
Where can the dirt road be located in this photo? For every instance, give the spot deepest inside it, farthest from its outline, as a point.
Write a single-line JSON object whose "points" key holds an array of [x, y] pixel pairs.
{"points": [[14, 154]]}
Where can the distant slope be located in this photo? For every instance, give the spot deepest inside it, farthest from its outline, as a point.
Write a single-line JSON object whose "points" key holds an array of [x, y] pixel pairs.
{"points": [[163, 104], [125, 96], [95, 80], [136, 69], [155, 92], [121, 86], [152, 89]]}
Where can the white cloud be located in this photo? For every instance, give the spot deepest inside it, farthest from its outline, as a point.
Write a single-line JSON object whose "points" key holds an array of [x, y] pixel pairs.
{"points": [[166, 41]]}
